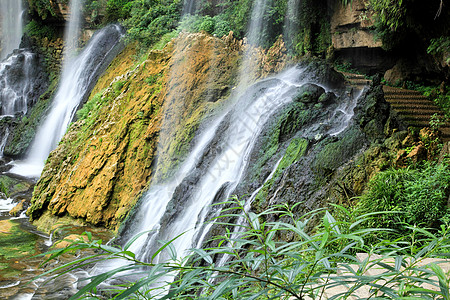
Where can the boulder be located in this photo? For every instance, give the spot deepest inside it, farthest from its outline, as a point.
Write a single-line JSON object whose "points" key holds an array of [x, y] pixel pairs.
{"points": [[309, 93]]}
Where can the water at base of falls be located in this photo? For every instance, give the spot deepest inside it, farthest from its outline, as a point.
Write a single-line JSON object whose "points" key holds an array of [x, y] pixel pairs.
{"points": [[76, 82]]}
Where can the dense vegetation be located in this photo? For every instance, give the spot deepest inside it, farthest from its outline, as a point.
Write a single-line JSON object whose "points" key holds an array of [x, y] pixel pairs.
{"points": [[257, 265]]}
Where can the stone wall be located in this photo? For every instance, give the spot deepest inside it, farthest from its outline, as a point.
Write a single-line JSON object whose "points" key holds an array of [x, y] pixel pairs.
{"points": [[354, 39]]}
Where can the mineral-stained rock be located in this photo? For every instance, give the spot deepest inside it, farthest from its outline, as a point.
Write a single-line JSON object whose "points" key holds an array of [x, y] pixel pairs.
{"points": [[106, 158]]}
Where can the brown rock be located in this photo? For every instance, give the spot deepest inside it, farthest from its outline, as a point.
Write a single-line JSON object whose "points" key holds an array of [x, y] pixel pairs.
{"points": [[418, 153], [102, 165], [18, 209], [350, 26]]}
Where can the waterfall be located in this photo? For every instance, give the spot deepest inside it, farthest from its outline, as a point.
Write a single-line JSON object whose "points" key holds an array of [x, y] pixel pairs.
{"points": [[78, 76], [254, 39], [183, 203], [16, 82], [291, 23], [189, 7], [11, 24], [72, 34]]}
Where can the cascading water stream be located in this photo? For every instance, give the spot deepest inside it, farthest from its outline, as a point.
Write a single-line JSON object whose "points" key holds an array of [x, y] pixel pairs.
{"points": [[189, 7], [76, 80], [15, 83], [12, 26], [236, 133], [291, 22], [254, 39]]}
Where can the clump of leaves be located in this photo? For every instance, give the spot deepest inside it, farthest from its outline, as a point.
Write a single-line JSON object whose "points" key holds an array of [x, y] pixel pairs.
{"points": [[408, 196], [250, 261]]}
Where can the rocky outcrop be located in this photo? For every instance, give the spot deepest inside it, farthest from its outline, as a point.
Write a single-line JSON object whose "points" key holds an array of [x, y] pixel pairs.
{"points": [[352, 26], [106, 158], [354, 39]]}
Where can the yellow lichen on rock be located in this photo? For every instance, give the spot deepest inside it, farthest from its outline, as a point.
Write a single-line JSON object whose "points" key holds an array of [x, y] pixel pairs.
{"points": [[105, 159]]}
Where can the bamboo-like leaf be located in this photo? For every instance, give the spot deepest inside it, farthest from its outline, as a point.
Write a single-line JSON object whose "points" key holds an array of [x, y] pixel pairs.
{"points": [[164, 246], [443, 280], [134, 238], [205, 256]]}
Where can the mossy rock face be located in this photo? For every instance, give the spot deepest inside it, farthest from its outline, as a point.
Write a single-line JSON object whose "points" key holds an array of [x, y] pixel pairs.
{"points": [[335, 153], [373, 113], [12, 187], [309, 93], [105, 160]]}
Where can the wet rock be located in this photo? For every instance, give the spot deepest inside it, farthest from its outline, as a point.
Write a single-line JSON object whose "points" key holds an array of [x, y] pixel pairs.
{"points": [[18, 209], [309, 93], [327, 97]]}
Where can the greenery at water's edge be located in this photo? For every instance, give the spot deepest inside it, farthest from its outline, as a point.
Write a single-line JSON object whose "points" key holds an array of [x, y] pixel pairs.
{"points": [[259, 265]]}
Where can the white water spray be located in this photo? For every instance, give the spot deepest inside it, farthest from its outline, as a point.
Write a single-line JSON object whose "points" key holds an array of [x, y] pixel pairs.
{"points": [[78, 73], [223, 173], [15, 86], [12, 26]]}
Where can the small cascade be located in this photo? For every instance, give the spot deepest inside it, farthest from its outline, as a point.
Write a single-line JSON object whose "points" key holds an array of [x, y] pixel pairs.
{"points": [[4, 139], [79, 75], [248, 205], [12, 26], [344, 113], [16, 82]]}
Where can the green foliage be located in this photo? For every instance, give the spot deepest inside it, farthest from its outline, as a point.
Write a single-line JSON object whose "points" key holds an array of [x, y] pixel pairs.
{"points": [[94, 9], [44, 8], [166, 38], [313, 35], [212, 25], [259, 265], [400, 23], [84, 112], [410, 196], [152, 19], [236, 15], [439, 46], [117, 10], [35, 29]]}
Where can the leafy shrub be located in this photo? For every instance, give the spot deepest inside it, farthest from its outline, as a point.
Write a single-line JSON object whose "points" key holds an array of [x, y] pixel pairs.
{"points": [[83, 112], [152, 19], [118, 10], [419, 196], [44, 8], [33, 28], [256, 264]]}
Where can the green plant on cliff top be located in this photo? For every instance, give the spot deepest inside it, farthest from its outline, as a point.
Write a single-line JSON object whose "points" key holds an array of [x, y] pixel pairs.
{"points": [[261, 266], [151, 19]]}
